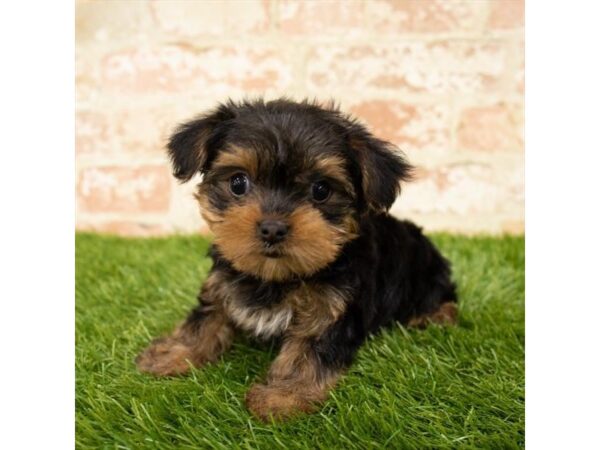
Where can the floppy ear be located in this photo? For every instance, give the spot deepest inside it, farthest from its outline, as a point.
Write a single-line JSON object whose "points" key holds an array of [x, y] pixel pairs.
{"points": [[382, 168], [192, 145]]}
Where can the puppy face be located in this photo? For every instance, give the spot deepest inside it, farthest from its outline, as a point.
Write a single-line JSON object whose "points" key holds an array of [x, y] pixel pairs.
{"points": [[285, 184]]}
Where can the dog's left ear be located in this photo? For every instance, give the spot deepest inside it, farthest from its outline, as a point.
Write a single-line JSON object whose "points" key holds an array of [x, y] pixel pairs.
{"points": [[382, 168], [193, 144]]}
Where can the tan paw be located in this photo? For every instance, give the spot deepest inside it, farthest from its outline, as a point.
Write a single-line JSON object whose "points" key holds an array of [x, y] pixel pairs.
{"points": [[266, 402], [164, 357], [446, 314]]}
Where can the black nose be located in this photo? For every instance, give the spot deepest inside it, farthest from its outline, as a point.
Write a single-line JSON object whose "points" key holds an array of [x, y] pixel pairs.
{"points": [[272, 231]]}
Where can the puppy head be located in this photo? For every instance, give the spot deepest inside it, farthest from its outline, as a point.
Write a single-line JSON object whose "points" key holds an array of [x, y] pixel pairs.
{"points": [[285, 184]]}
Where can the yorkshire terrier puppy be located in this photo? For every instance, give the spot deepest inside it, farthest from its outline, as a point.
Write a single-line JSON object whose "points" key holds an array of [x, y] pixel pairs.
{"points": [[304, 249]]}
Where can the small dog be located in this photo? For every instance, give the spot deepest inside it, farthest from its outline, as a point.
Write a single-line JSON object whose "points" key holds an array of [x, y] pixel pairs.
{"points": [[304, 250]]}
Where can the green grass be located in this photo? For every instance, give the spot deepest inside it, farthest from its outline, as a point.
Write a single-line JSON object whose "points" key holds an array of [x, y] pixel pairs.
{"points": [[439, 388]]}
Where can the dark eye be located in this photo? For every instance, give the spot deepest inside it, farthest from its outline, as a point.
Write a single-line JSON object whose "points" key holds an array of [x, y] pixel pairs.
{"points": [[321, 191], [239, 184]]}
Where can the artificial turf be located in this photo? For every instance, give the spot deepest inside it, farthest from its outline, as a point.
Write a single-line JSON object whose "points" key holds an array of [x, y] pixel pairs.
{"points": [[457, 387]]}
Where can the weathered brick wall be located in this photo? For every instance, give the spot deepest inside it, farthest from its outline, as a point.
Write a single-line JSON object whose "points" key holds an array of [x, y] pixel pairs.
{"points": [[442, 79]]}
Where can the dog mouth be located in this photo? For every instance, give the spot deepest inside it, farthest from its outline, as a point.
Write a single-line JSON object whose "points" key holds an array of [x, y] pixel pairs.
{"points": [[272, 251]]}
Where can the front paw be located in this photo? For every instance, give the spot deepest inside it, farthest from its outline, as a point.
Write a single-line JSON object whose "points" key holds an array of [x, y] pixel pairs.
{"points": [[164, 357], [280, 403]]}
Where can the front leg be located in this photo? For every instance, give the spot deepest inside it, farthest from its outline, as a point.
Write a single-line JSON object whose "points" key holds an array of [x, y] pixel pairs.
{"points": [[306, 369], [297, 382], [202, 338], [328, 331]]}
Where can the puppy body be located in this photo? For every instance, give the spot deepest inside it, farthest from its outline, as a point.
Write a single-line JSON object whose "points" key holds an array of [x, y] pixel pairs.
{"points": [[305, 251]]}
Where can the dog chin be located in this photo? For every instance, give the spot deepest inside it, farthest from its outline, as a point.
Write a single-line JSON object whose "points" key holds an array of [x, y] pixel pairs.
{"points": [[272, 252], [272, 255]]}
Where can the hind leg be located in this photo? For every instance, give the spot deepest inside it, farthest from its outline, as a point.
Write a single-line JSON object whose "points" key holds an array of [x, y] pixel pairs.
{"points": [[446, 314]]}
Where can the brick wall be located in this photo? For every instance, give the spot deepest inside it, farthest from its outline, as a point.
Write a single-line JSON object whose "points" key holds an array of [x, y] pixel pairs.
{"points": [[442, 79]]}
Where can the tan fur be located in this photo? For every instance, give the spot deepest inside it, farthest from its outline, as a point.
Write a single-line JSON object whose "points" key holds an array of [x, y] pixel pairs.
{"points": [[447, 314], [360, 147], [315, 242], [316, 307], [165, 357], [215, 291], [335, 167], [312, 242], [207, 212], [351, 227], [199, 147], [238, 157], [234, 157], [295, 384]]}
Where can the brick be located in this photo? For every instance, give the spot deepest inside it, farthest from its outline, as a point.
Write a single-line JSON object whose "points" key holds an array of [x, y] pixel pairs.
{"points": [[144, 130], [520, 73], [140, 131], [497, 127], [411, 127], [112, 20], [141, 189], [199, 18], [181, 68], [425, 16], [87, 82], [124, 228], [447, 66], [185, 212], [464, 189], [322, 17], [91, 133], [506, 14], [520, 79], [142, 67]]}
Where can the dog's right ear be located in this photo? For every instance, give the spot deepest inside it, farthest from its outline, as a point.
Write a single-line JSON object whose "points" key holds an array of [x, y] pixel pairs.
{"points": [[193, 144]]}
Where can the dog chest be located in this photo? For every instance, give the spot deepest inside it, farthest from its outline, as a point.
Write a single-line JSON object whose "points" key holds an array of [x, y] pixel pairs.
{"points": [[267, 310], [262, 322], [260, 309]]}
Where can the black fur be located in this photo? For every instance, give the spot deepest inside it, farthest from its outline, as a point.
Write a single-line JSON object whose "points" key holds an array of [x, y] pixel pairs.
{"points": [[283, 132], [393, 272], [397, 274], [193, 145]]}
